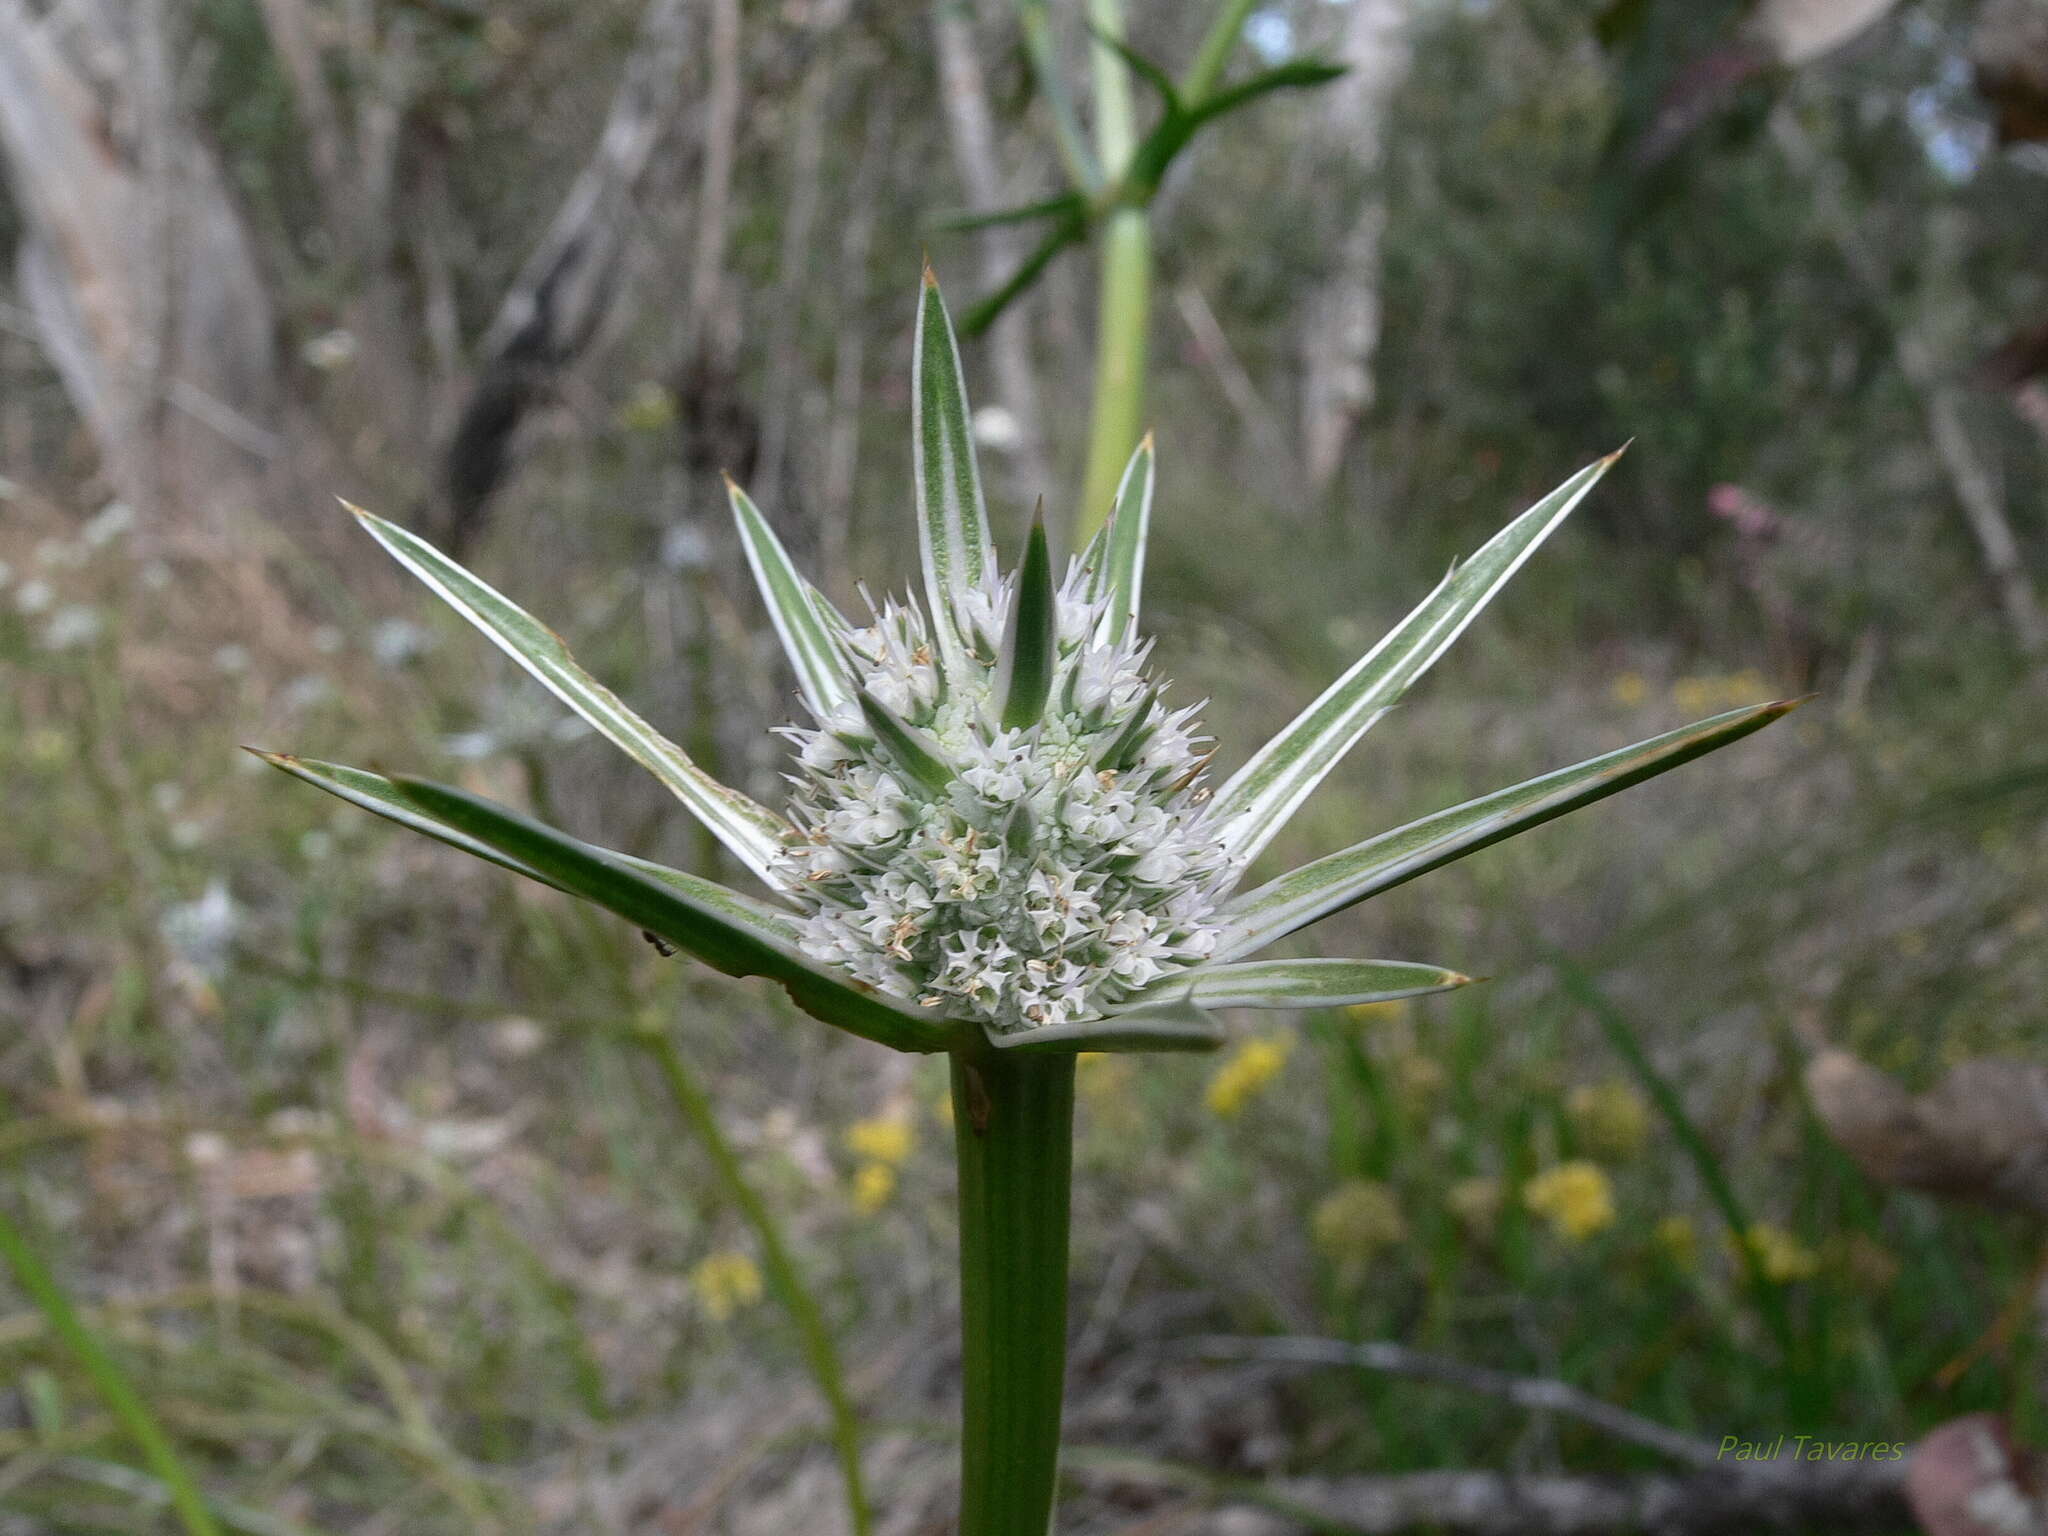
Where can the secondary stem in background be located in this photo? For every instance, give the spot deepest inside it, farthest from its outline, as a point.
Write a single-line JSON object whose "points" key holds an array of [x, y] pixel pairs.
{"points": [[1013, 1123], [783, 1275], [1125, 287]]}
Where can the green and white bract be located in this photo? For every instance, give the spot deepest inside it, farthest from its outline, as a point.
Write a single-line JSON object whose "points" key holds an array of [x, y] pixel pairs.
{"points": [[1062, 866], [999, 836]]}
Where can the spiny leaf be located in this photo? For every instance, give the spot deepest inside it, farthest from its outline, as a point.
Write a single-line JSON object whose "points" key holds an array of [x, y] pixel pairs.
{"points": [[1260, 797], [806, 639], [1024, 678], [1338, 880], [1308, 983], [751, 831], [694, 926], [1114, 565], [378, 795], [952, 530]]}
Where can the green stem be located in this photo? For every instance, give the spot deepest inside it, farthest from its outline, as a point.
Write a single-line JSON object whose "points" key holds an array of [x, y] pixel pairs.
{"points": [[783, 1275], [121, 1399], [1013, 1122], [1122, 321], [1217, 47]]}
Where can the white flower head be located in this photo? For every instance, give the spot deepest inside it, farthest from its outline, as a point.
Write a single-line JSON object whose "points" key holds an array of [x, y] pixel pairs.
{"points": [[1047, 870]]}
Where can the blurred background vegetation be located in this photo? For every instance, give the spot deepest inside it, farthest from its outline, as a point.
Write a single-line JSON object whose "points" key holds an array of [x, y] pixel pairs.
{"points": [[333, 1137]]}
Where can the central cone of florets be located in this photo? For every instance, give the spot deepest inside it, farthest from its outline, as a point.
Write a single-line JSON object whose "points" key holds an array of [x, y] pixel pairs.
{"points": [[1040, 874]]}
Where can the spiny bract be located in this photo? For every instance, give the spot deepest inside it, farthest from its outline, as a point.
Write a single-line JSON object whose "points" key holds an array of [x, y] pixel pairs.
{"points": [[1000, 837]]}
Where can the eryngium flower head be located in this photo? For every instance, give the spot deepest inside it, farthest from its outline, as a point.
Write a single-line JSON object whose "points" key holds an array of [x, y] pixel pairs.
{"points": [[1048, 870], [1000, 835]]}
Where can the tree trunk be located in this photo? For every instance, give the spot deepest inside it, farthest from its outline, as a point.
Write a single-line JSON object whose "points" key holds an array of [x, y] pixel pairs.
{"points": [[135, 263], [1342, 321], [560, 295]]}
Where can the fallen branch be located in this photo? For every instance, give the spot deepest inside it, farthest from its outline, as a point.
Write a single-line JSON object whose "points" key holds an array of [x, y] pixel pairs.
{"points": [[1536, 1393]]}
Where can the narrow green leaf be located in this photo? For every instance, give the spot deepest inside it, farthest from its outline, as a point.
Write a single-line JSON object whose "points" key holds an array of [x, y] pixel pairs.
{"points": [[952, 530], [751, 831], [694, 926], [1262, 795], [915, 752], [108, 1380], [1338, 880], [1308, 983], [378, 795], [1176, 1025], [1066, 205], [1024, 677], [1142, 67], [803, 630]]}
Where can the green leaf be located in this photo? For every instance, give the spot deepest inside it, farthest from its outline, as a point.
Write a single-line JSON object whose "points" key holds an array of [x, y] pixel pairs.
{"points": [[1115, 558], [1142, 67], [1160, 1026], [1070, 230], [751, 831], [710, 933], [803, 630], [1065, 205], [1308, 983], [952, 531], [377, 794], [1153, 157], [915, 752], [1024, 675], [1260, 797], [1338, 880]]}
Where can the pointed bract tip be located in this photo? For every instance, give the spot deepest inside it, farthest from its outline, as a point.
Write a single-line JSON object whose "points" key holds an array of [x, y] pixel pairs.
{"points": [[931, 278], [1785, 706], [352, 509], [1624, 448], [1145, 442], [275, 759]]}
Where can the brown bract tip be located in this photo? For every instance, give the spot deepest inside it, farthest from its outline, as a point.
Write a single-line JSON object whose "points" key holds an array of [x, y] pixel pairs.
{"points": [[1624, 448], [931, 278]]}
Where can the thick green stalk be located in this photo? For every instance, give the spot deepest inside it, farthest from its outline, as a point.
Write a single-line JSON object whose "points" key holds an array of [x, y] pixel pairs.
{"points": [[1013, 1131], [121, 1399], [1122, 321], [783, 1275]]}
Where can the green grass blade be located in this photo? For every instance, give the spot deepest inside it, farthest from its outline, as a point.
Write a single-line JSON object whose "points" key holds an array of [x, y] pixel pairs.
{"points": [[952, 528], [113, 1386], [1338, 880], [692, 925], [1158, 1026], [806, 639], [1311, 983], [751, 831], [1024, 679], [1115, 560], [1259, 798], [377, 794]]}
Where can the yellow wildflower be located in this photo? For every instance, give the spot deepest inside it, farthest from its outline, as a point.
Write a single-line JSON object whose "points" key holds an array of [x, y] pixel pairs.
{"points": [[1245, 1071], [649, 408], [1611, 1118], [1629, 690], [1355, 1221], [1476, 1203], [1679, 1240], [1419, 1078], [1575, 1198], [881, 1139], [725, 1282], [1378, 1013], [873, 1184], [1782, 1256]]}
